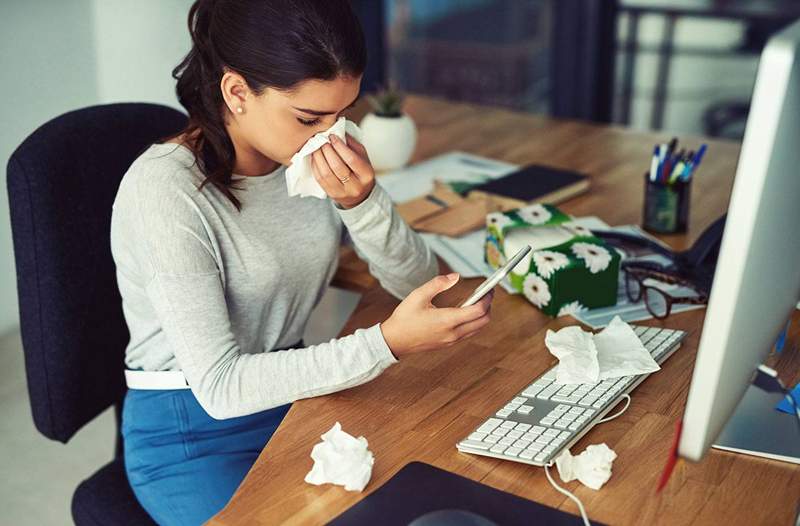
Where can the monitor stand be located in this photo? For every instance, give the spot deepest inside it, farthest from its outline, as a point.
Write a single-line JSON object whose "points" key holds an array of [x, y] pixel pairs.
{"points": [[757, 428]]}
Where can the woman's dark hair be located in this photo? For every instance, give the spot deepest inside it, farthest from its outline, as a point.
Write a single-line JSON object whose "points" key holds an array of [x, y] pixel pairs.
{"points": [[271, 43]]}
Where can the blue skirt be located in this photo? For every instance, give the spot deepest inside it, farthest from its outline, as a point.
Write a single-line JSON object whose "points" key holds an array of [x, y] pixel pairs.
{"points": [[182, 464]]}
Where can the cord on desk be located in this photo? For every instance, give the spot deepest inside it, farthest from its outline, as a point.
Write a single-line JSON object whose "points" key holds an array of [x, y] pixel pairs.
{"points": [[566, 492], [569, 494], [627, 398]]}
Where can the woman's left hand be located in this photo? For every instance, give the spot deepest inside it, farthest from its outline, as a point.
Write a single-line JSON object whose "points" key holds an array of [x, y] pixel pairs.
{"points": [[343, 171]]}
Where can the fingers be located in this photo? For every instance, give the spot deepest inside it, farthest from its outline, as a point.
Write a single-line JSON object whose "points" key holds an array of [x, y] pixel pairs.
{"points": [[467, 329], [459, 315], [358, 164], [356, 146], [325, 176], [337, 166], [426, 292]]}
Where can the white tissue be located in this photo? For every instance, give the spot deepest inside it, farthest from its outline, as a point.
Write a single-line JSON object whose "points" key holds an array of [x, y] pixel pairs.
{"points": [[592, 467], [576, 353], [299, 177], [584, 358], [341, 459]]}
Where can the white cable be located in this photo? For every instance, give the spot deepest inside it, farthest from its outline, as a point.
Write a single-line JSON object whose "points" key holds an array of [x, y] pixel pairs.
{"points": [[618, 413], [568, 494]]}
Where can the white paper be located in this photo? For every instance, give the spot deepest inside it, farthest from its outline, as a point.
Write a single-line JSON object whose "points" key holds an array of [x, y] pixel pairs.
{"points": [[341, 459], [592, 467], [584, 358], [299, 176]]}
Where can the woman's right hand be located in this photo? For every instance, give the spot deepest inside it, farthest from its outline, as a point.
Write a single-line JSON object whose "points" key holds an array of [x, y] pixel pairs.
{"points": [[417, 325]]}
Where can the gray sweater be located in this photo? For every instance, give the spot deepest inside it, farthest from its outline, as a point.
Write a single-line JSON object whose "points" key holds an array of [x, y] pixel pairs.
{"points": [[212, 291]]}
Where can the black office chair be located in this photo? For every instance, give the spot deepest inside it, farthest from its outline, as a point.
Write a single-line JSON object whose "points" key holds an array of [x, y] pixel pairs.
{"points": [[61, 184]]}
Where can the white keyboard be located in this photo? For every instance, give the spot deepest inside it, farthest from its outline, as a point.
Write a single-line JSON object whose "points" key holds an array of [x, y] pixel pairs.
{"points": [[545, 418]]}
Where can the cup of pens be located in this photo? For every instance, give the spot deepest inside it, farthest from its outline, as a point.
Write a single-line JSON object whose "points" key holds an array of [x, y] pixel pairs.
{"points": [[667, 188]]}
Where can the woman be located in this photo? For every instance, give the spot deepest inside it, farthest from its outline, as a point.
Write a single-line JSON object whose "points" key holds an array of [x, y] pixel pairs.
{"points": [[218, 267]]}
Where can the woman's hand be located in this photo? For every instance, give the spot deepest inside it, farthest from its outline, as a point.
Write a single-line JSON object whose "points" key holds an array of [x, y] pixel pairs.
{"points": [[343, 171], [417, 325]]}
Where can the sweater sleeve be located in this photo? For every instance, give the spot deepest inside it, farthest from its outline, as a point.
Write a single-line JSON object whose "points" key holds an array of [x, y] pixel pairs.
{"points": [[397, 256], [177, 257]]}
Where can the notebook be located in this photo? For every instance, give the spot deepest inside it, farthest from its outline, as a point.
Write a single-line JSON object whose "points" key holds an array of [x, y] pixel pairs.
{"points": [[534, 184], [419, 489]]}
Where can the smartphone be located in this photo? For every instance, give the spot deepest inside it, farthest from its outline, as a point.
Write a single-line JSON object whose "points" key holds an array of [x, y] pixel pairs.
{"points": [[495, 278]]}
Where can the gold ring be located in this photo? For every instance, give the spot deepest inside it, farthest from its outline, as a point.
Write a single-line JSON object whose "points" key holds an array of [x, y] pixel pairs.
{"points": [[345, 179]]}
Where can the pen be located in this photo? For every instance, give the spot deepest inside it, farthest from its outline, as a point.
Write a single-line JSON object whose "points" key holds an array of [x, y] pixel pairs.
{"points": [[654, 164], [698, 157], [677, 171]]}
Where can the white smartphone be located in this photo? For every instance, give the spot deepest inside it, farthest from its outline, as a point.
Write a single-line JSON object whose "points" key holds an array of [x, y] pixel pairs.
{"points": [[495, 278]]}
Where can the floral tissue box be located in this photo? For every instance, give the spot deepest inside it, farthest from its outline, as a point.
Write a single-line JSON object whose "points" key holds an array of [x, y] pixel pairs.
{"points": [[568, 269]]}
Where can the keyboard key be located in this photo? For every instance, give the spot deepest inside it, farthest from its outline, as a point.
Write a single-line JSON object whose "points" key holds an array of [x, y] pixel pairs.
{"points": [[498, 449], [508, 424], [550, 433], [506, 441], [489, 425], [564, 435], [475, 444], [535, 447], [500, 431], [562, 424], [589, 412], [566, 399], [573, 426], [514, 433], [522, 443], [522, 427], [576, 410], [525, 409], [527, 455], [598, 404], [561, 408], [477, 436], [548, 421], [513, 451], [538, 430], [492, 439], [504, 413], [540, 457], [519, 400], [530, 436], [532, 390], [542, 440]]}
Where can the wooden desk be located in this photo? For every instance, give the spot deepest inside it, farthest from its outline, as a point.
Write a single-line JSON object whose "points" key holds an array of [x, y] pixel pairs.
{"points": [[419, 408]]}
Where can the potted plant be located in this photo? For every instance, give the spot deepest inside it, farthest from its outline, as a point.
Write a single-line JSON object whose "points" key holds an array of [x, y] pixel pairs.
{"points": [[389, 134]]}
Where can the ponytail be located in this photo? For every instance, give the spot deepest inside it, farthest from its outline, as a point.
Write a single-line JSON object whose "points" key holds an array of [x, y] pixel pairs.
{"points": [[199, 75]]}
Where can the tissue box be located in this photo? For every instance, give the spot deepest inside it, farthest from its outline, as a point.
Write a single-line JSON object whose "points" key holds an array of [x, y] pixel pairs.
{"points": [[568, 269]]}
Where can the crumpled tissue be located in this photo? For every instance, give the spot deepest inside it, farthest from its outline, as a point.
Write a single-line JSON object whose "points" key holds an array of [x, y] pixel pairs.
{"points": [[299, 176], [592, 467], [341, 459], [586, 358]]}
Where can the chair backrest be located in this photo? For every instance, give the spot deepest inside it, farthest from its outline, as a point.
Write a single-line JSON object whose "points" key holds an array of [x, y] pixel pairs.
{"points": [[62, 181]]}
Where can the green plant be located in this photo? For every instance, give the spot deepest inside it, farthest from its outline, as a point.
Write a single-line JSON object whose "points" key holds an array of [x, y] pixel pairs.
{"points": [[387, 102]]}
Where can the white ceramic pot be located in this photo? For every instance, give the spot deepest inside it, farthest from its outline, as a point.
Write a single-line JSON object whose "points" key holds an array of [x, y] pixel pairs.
{"points": [[389, 141]]}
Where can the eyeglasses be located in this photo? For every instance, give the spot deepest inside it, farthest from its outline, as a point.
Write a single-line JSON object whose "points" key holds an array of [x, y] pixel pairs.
{"points": [[658, 301]]}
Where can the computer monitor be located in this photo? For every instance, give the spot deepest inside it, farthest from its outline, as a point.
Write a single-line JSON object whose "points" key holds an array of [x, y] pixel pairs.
{"points": [[757, 280]]}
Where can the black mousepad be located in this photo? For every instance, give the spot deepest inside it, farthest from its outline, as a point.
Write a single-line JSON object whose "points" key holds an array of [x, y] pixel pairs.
{"points": [[420, 488]]}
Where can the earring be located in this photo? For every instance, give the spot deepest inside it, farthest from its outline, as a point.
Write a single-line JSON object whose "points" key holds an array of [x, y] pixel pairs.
{"points": [[239, 110]]}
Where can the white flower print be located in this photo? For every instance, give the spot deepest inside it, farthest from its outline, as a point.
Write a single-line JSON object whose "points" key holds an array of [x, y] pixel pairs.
{"points": [[499, 221], [572, 307], [596, 257], [536, 290], [534, 214], [548, 262], [578, 230]]}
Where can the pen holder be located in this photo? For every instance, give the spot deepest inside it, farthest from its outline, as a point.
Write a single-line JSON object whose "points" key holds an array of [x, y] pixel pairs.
{"points": [[666, 206]]}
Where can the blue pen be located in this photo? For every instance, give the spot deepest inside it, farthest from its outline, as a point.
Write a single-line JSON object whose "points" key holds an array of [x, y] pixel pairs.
{"points": [[696, 161]]}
